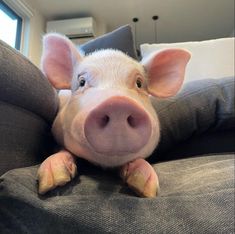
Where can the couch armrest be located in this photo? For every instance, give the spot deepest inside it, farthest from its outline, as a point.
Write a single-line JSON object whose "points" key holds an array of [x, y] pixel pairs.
{"points": [[28, 105]]}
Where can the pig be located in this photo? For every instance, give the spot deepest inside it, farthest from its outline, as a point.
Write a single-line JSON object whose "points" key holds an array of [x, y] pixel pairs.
{"points": [[106, 116]]}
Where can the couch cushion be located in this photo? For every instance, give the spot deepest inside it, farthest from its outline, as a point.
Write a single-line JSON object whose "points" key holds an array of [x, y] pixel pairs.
{"points": [[210, 58], [196, 196], [23, 84], [28, 105], [203, 111], [25, 138], [120, 39]]}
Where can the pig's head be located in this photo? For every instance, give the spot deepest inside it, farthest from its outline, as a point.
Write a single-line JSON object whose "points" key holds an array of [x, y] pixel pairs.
{"points": [[107, 117]]}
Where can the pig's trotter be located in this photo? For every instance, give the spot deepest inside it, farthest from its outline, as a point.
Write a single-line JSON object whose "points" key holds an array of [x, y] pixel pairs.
{"points": [[141, 177], [56, 170]]}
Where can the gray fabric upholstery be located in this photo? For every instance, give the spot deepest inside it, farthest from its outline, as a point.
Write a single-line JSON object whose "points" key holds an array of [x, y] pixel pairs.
{"points": [[202, 108], [25, 138], [196, 196], [120, 39], [28, 105], [23, 84]]}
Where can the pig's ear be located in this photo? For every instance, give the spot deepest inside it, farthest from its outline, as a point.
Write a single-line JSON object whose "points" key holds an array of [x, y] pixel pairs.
{"points": [[58, 60], [166, 71]]}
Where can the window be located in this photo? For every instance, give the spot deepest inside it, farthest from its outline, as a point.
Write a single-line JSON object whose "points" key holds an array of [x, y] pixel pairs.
{"points": [[10, 26]]}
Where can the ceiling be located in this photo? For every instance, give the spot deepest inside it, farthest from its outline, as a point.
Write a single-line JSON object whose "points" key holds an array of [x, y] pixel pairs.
{"points": [[179, 20]]}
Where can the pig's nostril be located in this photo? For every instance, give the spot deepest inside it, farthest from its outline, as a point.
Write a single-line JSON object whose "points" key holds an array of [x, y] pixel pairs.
{"points": [[131, 121], [104, 121]]}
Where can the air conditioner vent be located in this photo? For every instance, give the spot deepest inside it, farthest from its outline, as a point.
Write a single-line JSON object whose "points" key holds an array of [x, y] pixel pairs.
{"points": [[73, 28]]}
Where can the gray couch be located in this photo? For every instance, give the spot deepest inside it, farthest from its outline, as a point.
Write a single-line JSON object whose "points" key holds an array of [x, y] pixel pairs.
{"points": [[194, 161]]}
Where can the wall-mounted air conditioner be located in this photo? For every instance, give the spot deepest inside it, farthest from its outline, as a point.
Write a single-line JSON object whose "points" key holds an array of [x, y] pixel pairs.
{"points": [[73, 28]]}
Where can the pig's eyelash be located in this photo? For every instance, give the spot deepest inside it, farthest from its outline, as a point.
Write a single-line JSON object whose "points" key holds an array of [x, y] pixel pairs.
{"points": [[81, 75], [85, 76]]}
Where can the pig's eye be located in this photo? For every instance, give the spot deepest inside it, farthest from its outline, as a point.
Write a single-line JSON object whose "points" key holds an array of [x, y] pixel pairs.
{"points": [[81, 82], [139, 83]]}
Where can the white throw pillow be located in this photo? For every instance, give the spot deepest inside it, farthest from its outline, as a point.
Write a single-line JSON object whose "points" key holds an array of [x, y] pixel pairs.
{"points": [[210, 59]]}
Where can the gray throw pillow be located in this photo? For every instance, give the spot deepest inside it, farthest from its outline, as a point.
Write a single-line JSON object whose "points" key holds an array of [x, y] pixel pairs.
{"points": [[120, 39]]}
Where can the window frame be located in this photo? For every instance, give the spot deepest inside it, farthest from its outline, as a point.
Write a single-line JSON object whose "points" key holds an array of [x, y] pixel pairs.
{"points": [[13, 15]]}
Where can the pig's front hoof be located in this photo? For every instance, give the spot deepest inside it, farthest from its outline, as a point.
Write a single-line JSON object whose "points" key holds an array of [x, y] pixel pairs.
{"points": [[141, 177], [56, 170]]}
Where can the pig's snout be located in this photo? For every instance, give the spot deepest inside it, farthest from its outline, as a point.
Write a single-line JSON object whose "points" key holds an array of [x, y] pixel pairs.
{"points": [[117, 127]]}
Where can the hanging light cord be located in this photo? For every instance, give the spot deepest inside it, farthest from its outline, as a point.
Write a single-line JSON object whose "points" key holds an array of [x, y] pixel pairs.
{"points": [[155, 18], [135, 20]]}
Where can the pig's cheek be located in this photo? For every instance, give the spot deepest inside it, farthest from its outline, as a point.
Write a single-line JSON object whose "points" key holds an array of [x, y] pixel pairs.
{"points": [[77, 128], [155, 135], [74, 138], [154, 140], [147, 105]]}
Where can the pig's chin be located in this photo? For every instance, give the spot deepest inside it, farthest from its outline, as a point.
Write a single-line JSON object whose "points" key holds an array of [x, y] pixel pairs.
{"points": [[112, 160], [119, 158], [108, 159]]}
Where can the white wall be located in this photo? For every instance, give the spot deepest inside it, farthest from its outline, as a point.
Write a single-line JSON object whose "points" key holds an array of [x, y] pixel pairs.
{"points": [[37, 29]]}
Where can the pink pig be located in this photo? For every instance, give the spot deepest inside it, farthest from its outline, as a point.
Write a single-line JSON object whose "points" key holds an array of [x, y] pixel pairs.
{"points": [[107, 117]]}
